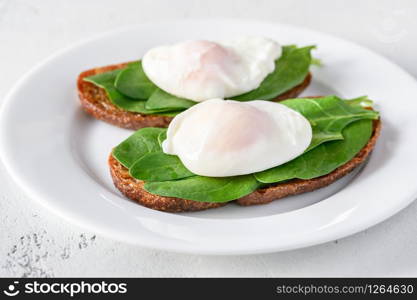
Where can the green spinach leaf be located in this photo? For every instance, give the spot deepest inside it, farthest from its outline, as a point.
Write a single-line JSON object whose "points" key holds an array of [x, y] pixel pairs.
{"points": [[162, 101], [162, 137], [324, 158], [140, 143], [328, 116], [290, 70], [106, 81], [158, 166], [362, 101], [133, 82], [205, 189]]}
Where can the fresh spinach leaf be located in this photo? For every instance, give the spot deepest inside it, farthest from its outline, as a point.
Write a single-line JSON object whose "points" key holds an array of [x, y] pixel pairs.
{"points": [[140, 143], [106, 81], [316, 62], [133, 82], [162, 101], [158, 166], [290, 70], [362, 101], [205, 189], [328, 116], [322, 159], [162, 137]]}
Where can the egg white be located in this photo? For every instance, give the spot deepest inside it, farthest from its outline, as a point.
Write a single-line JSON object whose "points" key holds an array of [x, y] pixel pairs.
{"points": [[219, 138], [202, 70]]}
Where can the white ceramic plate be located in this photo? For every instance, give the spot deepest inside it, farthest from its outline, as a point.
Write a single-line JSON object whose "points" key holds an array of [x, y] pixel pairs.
{"points": [[58, 154]]}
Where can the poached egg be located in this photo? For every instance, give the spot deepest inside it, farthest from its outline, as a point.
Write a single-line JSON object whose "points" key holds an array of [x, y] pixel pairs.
{"points": [[201, 70], [219, 138]]}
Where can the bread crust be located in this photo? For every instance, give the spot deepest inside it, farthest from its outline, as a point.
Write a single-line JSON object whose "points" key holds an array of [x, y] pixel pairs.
{"points": [[133, 188], [96, 103]]}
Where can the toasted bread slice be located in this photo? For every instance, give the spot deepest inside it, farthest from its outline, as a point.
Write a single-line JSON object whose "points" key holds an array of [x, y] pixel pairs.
{"points": [[133, 188], [95, 102]]}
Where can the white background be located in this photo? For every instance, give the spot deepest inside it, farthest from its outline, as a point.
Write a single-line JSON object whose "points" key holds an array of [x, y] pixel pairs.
{"points": [[33, 242]]}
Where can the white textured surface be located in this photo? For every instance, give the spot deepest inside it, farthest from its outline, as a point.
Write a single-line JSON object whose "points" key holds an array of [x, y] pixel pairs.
{"points": [[34, 242]]}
